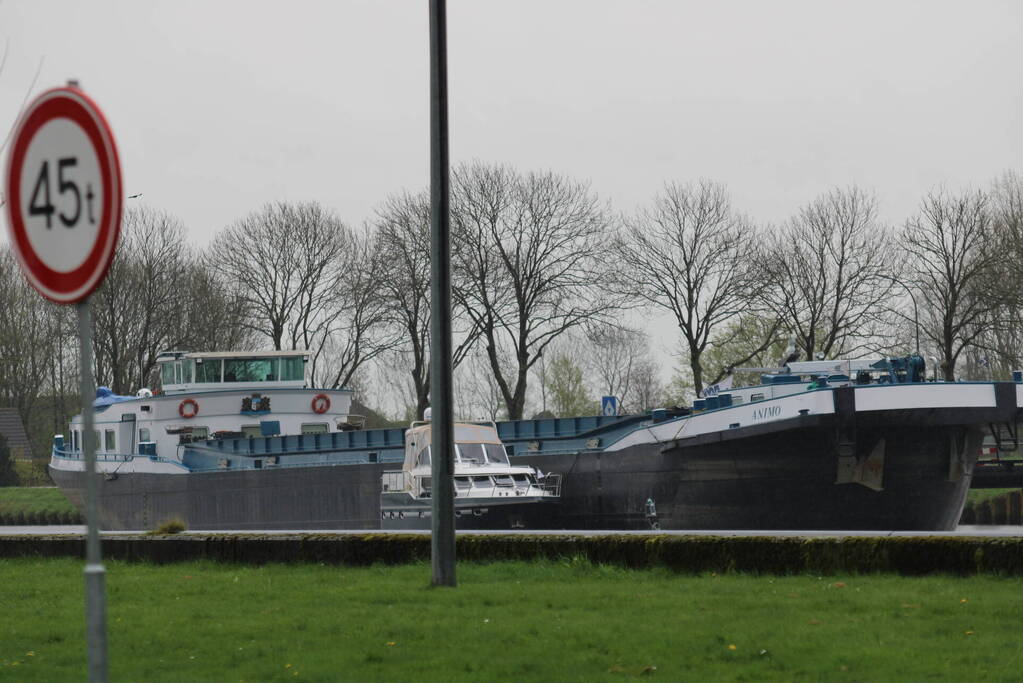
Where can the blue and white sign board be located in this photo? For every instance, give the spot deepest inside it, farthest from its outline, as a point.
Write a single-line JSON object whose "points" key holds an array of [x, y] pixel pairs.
{"points": [[609, 406], [715, 389]]}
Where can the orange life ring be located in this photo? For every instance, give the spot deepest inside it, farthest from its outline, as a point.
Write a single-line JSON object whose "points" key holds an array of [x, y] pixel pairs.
{"points": [[321, 404], [192, 412]]}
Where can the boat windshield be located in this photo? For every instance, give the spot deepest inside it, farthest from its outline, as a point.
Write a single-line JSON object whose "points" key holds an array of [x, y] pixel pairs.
{"points": [[471, 453], [480, 453], [496, 454], [423, 459]]}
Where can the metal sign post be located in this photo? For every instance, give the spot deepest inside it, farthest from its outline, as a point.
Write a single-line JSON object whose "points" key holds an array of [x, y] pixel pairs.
{"points": [[95, 572], [442, 518], [64, 201]]}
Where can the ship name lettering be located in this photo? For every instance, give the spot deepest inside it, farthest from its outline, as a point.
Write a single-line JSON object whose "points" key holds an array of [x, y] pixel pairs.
{"points": [[764, 413]]}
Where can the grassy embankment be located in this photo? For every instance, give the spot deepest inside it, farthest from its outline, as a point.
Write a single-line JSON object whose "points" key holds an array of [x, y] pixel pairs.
{"points": [[544, 621], [23, 505]]}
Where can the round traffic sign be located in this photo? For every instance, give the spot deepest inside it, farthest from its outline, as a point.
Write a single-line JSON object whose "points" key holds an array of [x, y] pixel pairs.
{"points": [[64, 196]]}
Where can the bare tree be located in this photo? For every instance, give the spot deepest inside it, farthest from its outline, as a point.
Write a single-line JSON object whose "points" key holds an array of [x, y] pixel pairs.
{"points": [[478, 395], [956, 265], [690, 253], [613, 356], [648, 392], [1002, 344], [139, 308], [354, 329], [214, 315], [285, 260], [829, 271], [403, 229], [38, 368], [309, 282], [25, 344], [530, 252]]}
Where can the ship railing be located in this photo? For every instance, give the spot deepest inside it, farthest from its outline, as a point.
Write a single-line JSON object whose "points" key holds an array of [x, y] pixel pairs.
{"points": [[551, 484], [395, 480], [116, 457]]}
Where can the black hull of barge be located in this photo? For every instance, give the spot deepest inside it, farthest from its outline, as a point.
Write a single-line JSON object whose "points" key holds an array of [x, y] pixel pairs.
{"points": [[339, 497], [779, 481], [778, 477]]}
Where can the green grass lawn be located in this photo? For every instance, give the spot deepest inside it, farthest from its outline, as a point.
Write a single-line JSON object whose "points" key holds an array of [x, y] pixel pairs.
{"points": [[548, 621], [33, 501]]}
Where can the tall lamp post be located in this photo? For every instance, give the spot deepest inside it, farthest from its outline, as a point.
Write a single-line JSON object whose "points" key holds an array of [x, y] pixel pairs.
{"points": [[442, 539], [916, 311]]}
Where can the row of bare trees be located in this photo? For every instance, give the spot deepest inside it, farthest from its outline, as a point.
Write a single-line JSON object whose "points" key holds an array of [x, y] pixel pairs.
{"points": [[548, 283]]}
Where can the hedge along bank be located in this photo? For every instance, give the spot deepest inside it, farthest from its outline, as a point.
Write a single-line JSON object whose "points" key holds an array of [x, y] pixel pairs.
{"points": [[762, 555]]}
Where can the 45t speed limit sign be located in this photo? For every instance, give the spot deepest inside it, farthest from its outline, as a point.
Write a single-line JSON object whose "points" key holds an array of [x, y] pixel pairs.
{"points": [[64, 196]]}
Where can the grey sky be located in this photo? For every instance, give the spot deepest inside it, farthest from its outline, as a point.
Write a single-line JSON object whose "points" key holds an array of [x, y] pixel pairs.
{"points": [[219, 107]]}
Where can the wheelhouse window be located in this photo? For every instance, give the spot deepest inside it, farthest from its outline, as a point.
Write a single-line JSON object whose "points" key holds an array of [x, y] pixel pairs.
{"points": [[496, 454], [209, 370], [109, 440], [144, 434], [167, 374], [253, 370], [292, 368], [251, 431], [200, 433], [471, 453]]}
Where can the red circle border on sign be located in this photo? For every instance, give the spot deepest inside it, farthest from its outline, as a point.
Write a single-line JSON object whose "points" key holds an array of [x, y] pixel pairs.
{"points": [[72, 104]]}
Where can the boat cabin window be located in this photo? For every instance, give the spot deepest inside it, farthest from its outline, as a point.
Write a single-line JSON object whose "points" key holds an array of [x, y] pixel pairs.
{"points": [[74, 439], [736, 400], [461, 483], [314, 428], [110, 441], [503, 480], [144, 434], [292, 368], [251, 431], [471, 453], [756, 397], [97, 442], [423, 459], [482, 482], [200, 433], [254, 370], [208, 370], [496, 454], [520, 479], [167, 374]]}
